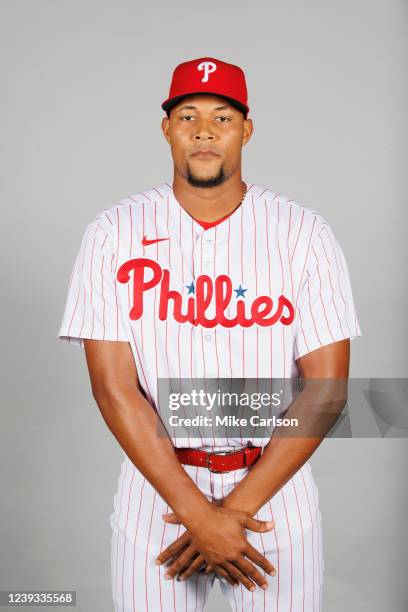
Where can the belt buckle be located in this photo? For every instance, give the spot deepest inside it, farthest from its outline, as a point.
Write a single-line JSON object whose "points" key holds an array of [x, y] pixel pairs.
{"points": [[228, 452]]}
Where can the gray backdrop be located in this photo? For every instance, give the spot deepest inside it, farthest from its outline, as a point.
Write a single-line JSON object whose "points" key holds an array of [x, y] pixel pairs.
{"points": [[82, 83]]}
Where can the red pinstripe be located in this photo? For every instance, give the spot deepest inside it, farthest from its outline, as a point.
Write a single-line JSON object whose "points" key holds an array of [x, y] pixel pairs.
{"points": [[312, 523], [202, 349], [318, 536], [147, 550], [103, 243], [103, 298], [162, 548], [197, 574], [311, 313], [303, 545], [130, 248], [289, 260], [155, 308], [169, 247], [242, 279], [215, 240], [282, 290], [216, 352], [338, 272], [79, 285], [180, 242], [74, 273], [191, 327], [277, 551], [270, 282], [279, 249], [158, 192], [301, 327], [229, 309], [264, 554], [141, 366], [332, 288], [321, 297], [116, 270], [134, 544], [174, 591], [119, 515], [124, 534], [297, 238], [143, 254], [304, 264], [256, 285], [290, 540], [337, 264], [215, 329]]}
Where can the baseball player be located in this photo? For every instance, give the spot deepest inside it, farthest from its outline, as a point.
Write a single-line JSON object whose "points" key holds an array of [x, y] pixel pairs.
{"points": [[209, 276]]}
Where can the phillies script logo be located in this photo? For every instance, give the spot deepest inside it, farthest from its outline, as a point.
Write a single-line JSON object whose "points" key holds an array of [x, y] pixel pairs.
{"points": [[205, 291]]}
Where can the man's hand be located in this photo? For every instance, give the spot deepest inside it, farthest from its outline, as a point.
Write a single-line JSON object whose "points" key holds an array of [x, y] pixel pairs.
{"points": [[221, 543]]}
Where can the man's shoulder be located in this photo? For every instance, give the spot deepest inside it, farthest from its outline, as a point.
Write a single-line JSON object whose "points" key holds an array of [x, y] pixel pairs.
{"points": [[289, 207], [108, 216]]}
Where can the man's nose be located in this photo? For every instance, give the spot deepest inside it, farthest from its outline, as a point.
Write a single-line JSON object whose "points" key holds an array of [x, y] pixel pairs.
{"points": [[203, 135], [203, 132]]}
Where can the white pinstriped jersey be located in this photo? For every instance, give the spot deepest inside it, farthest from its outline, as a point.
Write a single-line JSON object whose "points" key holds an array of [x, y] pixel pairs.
{"points": [[242, 299]]}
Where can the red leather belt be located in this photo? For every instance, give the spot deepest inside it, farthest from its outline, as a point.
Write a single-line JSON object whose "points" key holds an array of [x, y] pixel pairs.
{"points": [[219, 461]]}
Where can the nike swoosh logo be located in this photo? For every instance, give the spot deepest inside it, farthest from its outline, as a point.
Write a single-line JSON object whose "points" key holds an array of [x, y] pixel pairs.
{"points": [[146, 241]]}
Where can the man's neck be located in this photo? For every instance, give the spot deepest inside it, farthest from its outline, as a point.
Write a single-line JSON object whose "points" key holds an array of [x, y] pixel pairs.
{"points": [[209, 204]]}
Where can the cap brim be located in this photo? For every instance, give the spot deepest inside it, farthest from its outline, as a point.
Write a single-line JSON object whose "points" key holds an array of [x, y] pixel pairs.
{"points": [[171, 102]]}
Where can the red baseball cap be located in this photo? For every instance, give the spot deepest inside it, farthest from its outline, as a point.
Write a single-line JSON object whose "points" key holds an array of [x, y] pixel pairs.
{"points": [[208, 75]]}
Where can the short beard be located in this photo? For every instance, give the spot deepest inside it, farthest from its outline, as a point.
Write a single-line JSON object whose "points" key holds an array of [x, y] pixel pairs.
{"points": [[214, 181]]}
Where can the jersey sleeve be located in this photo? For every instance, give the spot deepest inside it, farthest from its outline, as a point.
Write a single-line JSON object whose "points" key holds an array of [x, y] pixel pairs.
{"points": [[325, 309], [92, 308]]}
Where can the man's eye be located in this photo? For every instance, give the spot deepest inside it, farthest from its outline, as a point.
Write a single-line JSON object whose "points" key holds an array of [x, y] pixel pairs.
{"points": [[218, 117]]}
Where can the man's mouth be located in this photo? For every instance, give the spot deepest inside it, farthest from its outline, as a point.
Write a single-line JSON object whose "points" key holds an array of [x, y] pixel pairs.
{"points": [[205, 153]]}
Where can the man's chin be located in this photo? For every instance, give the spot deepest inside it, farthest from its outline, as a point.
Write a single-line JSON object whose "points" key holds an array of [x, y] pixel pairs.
{"points": [[205, 180]]}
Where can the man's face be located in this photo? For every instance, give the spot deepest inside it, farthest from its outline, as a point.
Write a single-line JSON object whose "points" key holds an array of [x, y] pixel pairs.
{"points": [[203, 123]]}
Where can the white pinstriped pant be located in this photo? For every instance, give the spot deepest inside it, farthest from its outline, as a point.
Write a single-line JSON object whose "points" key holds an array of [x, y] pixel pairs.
{"points": [[294, 547]]}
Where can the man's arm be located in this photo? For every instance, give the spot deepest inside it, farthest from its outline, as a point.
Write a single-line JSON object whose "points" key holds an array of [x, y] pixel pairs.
{"points": [[284, 456], [135, 424], [217, 533]]}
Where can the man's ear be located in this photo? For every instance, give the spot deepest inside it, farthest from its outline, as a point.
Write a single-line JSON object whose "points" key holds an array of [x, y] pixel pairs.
{"points": [[165, 125], [248, 131]]}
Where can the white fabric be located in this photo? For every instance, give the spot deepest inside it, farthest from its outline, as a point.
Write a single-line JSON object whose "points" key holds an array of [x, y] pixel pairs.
{"points": [[270, 246]]}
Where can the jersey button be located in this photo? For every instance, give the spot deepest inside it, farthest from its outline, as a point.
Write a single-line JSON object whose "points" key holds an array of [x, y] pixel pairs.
{"points": [[208, 337]]}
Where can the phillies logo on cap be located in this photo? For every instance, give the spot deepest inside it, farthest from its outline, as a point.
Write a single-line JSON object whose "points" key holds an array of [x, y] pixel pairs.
{"points": [[208, 68], [208, 75]]}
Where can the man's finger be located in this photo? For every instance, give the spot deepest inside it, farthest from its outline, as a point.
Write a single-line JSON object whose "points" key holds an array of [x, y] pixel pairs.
{"points": [[251, 572], [224, 574], [238, 575], [194, 567], [256, 525], [181, 562], [254, 555], [174, 548], [171, 517]]}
